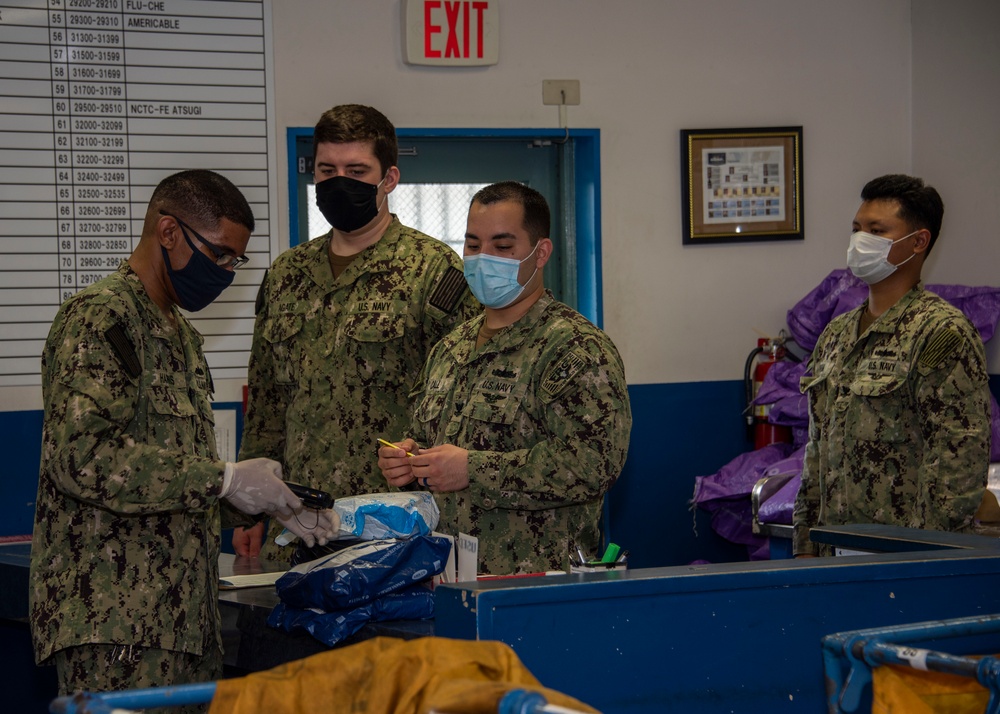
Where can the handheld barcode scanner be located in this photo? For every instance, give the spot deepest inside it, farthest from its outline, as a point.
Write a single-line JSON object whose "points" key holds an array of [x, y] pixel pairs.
{"points": [[311, 497]]}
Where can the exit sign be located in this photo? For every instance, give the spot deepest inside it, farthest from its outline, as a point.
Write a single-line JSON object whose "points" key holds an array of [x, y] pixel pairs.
{"points": [[451, 33]]}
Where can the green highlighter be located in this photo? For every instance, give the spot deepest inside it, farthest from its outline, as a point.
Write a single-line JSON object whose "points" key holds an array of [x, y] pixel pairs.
{"points": [[611, 554]]}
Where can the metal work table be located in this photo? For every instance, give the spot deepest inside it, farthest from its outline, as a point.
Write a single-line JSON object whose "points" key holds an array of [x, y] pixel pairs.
{"points": [[26, 687]]}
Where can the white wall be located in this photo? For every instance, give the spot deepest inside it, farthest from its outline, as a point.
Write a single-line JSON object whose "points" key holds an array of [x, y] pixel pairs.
{"points": [[956, 136], [649, 68]]}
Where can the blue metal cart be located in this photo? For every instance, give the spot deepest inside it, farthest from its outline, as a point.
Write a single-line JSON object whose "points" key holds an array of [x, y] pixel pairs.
{"points": [[516, 701], [849, 657]]}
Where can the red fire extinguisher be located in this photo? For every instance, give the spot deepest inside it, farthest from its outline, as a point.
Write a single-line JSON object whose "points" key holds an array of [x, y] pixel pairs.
{"points": [[768, 352]]}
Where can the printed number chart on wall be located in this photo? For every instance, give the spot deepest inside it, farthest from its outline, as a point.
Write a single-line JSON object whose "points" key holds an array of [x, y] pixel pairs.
{"points": [[99, 101]]}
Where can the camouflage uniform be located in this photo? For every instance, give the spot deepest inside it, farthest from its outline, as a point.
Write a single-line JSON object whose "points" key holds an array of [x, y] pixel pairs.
{"points": [[120, 667], [333, 359], [899, 421], [127, 523], [543, 409]]}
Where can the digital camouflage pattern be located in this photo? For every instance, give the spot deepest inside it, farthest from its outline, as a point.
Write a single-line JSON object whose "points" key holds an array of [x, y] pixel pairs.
{"points": [[120, 667], [543, 409], [127, 523], [899, 421], [333, 360]]}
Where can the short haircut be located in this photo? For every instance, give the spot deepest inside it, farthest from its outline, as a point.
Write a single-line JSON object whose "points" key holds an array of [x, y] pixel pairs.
{"points": [[201, 197], [919, 205], [356, 122], [537, 221]]}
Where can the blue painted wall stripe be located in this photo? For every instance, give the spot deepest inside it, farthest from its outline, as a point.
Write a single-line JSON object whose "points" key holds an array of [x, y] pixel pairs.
{"points": [[679, 431]]}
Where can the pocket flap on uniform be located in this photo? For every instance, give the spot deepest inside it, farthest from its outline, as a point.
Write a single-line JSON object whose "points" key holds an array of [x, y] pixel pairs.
{"points": [[496, 403], [282, 327], [375, 326], [170, 400], [876, 386], [810, 381], [429, 407]]}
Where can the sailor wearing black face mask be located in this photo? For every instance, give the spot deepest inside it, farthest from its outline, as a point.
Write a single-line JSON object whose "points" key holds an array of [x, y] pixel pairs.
{"points": [[345, 321], [203, 279], [132, 494], [348, 204]]}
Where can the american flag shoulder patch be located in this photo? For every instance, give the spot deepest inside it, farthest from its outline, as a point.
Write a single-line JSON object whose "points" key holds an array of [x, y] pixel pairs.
{"points": [[258, 304], [450, 288], [940, 348], [121, 344]]}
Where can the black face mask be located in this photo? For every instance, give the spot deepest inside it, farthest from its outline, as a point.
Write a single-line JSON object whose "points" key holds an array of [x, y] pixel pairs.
{"points": [[346, 203], [199, 282]]}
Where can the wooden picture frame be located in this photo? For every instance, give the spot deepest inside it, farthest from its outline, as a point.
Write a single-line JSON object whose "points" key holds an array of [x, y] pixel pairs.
{"points": [[741, 185]]}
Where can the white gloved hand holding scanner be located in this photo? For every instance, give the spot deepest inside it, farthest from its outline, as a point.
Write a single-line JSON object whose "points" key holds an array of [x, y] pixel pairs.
{"points": [[311, 526], [255, 486]]}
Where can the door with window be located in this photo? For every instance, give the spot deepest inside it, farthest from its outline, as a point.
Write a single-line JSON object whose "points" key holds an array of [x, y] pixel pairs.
{"points": [[441, 170]]}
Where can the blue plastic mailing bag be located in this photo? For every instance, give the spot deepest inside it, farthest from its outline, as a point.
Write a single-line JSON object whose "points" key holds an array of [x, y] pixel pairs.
{"points": [[416, 602], [362, 573]]}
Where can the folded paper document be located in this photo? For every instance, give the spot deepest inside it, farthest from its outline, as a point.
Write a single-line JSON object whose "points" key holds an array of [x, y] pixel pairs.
{"points": [[256, 580]]}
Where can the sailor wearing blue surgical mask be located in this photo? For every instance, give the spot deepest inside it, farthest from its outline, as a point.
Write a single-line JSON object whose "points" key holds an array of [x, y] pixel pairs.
{"points": [[521, 416], [497, 275], [899, 411]]}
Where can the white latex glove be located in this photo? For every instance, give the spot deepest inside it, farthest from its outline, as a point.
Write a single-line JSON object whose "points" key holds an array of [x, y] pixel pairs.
{"points": [[311, 526], [255, 486]]}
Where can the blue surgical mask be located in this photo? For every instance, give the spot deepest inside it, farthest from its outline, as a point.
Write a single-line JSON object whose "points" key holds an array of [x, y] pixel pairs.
{"points": [[493, 280], [199, 282]]}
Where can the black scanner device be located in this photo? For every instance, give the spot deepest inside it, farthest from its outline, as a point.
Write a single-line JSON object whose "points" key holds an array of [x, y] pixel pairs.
{"points": [[311, 497]]}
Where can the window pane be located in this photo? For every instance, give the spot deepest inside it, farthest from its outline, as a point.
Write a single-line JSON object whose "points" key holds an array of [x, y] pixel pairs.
{"points": [[438, 209]]}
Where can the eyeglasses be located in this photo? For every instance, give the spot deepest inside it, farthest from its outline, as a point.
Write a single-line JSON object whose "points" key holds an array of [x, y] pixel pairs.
{"points": [[222, 258]]}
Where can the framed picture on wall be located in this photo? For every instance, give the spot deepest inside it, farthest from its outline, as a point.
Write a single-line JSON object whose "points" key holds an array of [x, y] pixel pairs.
{"points": [[741, 184]]}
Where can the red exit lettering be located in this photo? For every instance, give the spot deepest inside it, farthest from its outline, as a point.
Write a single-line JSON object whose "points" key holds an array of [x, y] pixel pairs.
{"points": [[460, 16]]}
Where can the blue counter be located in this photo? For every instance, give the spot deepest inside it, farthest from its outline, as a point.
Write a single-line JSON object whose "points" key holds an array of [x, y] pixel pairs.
{"points": [[726, 638]]}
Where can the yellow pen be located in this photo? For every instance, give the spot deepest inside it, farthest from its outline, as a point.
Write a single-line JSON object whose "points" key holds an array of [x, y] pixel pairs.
{"points": [[383, 442]]}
